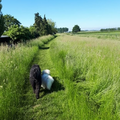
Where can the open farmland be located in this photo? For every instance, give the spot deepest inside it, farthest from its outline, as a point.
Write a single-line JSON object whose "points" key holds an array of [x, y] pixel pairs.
{"points": [[86, 70], [115, 35]]}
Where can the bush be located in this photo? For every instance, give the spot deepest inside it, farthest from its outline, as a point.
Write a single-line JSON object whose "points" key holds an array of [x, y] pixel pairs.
{"points": [[17, 33]]}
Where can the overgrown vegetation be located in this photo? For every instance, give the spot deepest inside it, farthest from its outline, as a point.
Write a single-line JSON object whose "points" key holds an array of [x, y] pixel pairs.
{"points": [[15, 63], [10, 21], [86, 73], [89, 68], [17, 32]]}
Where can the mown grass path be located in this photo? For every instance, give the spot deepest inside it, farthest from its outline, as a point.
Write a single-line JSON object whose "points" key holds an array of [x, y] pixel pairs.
{"points": [[49, 104]]}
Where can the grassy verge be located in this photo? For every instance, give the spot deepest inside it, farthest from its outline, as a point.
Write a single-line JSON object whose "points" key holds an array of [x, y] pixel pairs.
{"points": [[14, 77]]}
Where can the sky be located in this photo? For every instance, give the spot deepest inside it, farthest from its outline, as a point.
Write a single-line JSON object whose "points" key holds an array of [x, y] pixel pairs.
{"points": [[88, 14]]}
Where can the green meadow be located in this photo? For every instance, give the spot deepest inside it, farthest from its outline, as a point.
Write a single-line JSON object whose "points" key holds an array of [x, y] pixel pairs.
{"points": [[86, 70], [90, 69], [15, 65]]}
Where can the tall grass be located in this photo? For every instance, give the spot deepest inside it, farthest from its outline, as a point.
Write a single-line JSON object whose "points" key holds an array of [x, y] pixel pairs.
{"points": [[90, 71], [14, 69], [41, 41], [14, 65]]}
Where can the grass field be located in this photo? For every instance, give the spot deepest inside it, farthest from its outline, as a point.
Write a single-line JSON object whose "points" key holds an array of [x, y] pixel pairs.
{"points": [[115, 35], [90, 69], [85, 68], [15, 63]]}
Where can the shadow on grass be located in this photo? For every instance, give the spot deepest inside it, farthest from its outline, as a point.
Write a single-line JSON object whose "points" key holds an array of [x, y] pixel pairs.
{"points": [[43, 47], [56, 86]]}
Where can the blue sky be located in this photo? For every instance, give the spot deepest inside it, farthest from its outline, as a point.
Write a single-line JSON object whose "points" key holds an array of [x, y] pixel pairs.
{"points": [[88, 14]]}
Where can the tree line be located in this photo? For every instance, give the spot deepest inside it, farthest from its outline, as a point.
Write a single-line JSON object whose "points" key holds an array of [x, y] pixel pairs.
{"points": [[62, 30], [17, 32], [110, 29], [10, 26], [75, 29]]}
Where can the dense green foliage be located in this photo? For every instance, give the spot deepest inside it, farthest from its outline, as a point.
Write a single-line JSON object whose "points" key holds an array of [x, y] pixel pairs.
{"points": [[76, 29], [62, 30], [18, 33], [1, 21], [52, 28], [10, 21], [42, 26], [33, 32]]}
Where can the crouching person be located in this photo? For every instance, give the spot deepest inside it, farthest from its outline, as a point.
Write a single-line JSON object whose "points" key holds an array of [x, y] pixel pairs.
{"points": [[35, 79]]}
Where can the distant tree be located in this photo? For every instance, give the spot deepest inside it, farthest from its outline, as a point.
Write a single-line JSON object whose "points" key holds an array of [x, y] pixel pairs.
{"points": [[118, 28], [9, 21], [62, 30], [76, 28], [1, 21], [109, 29]]}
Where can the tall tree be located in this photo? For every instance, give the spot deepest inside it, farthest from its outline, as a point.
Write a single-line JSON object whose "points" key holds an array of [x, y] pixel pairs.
{"points": [[45, 23], [38, 23], [76, 29], [1, 21], [9, 21], [52, 29], [43, 27]]}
